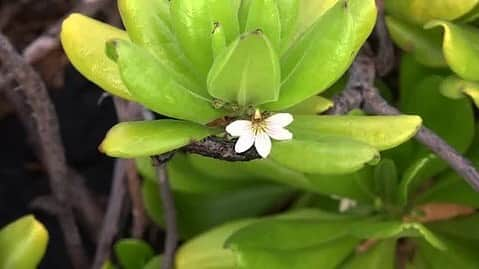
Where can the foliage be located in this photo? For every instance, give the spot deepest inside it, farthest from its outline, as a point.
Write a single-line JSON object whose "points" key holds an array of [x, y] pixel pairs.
{"points": [[202, 63]]}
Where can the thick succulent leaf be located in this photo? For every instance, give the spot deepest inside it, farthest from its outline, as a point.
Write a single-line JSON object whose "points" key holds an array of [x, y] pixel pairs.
{"points": [[187, 178], [415, 174], [225, 12], [328, 48], [154, 263], [133, 253], [264, 15], [325, 256], [149, 138], [152, 85], [386, 180], [381, 132], [380, 256], [83, 40], [461, 55], [148, 25], [355, 186], [247, 72], [288, 14], [22, 243], [451, 119], [206, 251], [293, 233], [218, 40], [198, 212], [456, 255], [311, 106], [422, 11], [328, 155], [454, 87], [372, 229], [424, 45], [192, 25], [193, 21]]}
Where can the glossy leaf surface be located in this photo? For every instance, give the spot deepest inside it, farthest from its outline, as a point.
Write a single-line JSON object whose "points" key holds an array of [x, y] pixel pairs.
{"points": [[133, 253], [152, 85], [328, 48], [461, 55], [381, 132], [83, 40], [22, 244], [247, 72], [329, 155], [149, 138]]}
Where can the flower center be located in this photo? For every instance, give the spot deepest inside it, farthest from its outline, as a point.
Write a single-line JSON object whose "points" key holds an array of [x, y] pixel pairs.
{"points": [[257, 123]]}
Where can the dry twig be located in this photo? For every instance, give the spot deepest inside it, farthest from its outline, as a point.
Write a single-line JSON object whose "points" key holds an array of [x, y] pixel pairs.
{"points": [[33, 104]]}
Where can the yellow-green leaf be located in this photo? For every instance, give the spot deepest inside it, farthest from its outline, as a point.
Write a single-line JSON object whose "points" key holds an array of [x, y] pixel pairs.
{"points": [[381, 132], [149, 138], [22, 244], [83, 40], [459, 48]]}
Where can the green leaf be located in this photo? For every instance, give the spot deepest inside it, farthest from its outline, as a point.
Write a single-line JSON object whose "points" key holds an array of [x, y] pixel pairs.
{"points": [[149, 138], [386, 180], [424, 45], [133, 253], [461, 228], [154, 263], [193, 21], [373, 229], [206, 251], [422, 11], [152, 85], [450, 188], [311, 106], [192, 25], [325, 256], [328, 49], [264, 15], [328, 155], [456, 256], [148, 25], [456, 88], [184, 177], [461, 55], [380, 256], [381, 132], [453, 120], [293, 233], [198, 212], [247, 72], [288, 14], [83, 40], [22, 243], [218, 40], [415, 174]]}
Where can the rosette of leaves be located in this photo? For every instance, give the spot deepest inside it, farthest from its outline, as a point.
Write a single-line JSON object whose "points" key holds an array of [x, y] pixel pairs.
{"points": [[203, 62], [440, 35], [22, 243]]}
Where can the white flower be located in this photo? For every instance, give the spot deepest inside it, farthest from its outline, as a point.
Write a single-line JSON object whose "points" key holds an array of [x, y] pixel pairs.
{"points": [[258, 132], [346, 204]]}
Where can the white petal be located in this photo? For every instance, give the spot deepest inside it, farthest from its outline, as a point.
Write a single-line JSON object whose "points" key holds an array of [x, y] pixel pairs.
{"points": [[279, 133], [345, 204], [245, 142], [262, 144], [279, 120], [239, 127]]}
